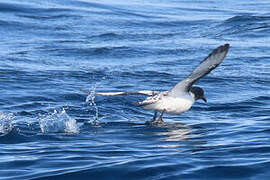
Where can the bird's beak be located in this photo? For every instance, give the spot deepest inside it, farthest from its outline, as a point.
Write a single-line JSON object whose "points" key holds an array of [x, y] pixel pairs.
{"points": [[204, 99]]}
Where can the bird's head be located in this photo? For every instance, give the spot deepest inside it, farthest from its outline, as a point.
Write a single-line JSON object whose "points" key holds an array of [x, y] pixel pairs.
{"points": [[198, 93]]}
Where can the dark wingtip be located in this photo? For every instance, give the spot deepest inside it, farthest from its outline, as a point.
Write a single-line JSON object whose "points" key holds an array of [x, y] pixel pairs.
{"points": [[226, 46], [136, 104], [221, 49], [85, 91]]}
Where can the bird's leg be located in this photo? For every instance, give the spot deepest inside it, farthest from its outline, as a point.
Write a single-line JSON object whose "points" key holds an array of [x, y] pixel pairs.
{"points": [[160, 117], [159, 120], [155, 116]]}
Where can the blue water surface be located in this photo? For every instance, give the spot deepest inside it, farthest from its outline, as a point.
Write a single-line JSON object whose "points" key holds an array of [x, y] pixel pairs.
{"points": [[51, 49]]}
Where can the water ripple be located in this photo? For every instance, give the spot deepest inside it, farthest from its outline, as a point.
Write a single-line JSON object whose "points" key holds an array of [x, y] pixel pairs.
{"points": [[50, 50]]}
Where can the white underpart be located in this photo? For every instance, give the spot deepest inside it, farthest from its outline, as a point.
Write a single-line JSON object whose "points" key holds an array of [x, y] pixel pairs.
{"points": [[172, 105]]}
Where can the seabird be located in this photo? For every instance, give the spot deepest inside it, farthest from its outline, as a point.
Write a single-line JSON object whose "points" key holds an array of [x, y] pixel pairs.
{"points": [[182, 96]]}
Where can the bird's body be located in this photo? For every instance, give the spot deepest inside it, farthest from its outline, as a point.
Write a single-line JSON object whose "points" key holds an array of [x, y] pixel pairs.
{"points": [[168, 104], [182, 96]]}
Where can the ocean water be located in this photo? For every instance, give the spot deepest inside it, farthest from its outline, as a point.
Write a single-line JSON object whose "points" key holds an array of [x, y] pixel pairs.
{"points": [[51, 49]]}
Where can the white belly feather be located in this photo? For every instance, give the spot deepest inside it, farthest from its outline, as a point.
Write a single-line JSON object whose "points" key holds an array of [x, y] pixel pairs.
{"points": [[172, 105]]}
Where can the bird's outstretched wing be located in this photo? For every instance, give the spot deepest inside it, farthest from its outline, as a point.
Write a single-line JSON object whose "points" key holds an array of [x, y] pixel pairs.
{"points": [[205, 67], [145, 92]]}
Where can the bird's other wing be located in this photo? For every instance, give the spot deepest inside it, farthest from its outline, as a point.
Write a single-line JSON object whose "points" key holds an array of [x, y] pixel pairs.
{"points": [[205, 67], [144, 92], [151, 99], [147, 101]]}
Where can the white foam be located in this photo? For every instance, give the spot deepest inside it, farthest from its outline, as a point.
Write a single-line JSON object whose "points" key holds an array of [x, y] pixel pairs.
{"points": [[58, 122], [6, 122]]}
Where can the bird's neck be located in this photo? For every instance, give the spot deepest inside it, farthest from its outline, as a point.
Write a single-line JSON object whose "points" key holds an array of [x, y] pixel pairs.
{"points": [[192, 95]]}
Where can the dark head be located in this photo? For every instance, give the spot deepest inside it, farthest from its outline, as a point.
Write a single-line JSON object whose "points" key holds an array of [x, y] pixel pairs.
{"points": [[198, 93]]}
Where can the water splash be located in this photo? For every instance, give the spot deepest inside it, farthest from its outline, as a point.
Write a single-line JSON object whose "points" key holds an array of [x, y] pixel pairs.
{"points": [[58, 122], [91, 100], [6, 122]]}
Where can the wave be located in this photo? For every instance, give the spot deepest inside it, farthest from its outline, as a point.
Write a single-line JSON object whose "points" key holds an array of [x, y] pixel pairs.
{"points": [[246, 25], [247, 19]]}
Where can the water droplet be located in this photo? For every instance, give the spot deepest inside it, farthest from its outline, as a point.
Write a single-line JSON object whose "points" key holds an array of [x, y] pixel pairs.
{"points": [[91, 100]]}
